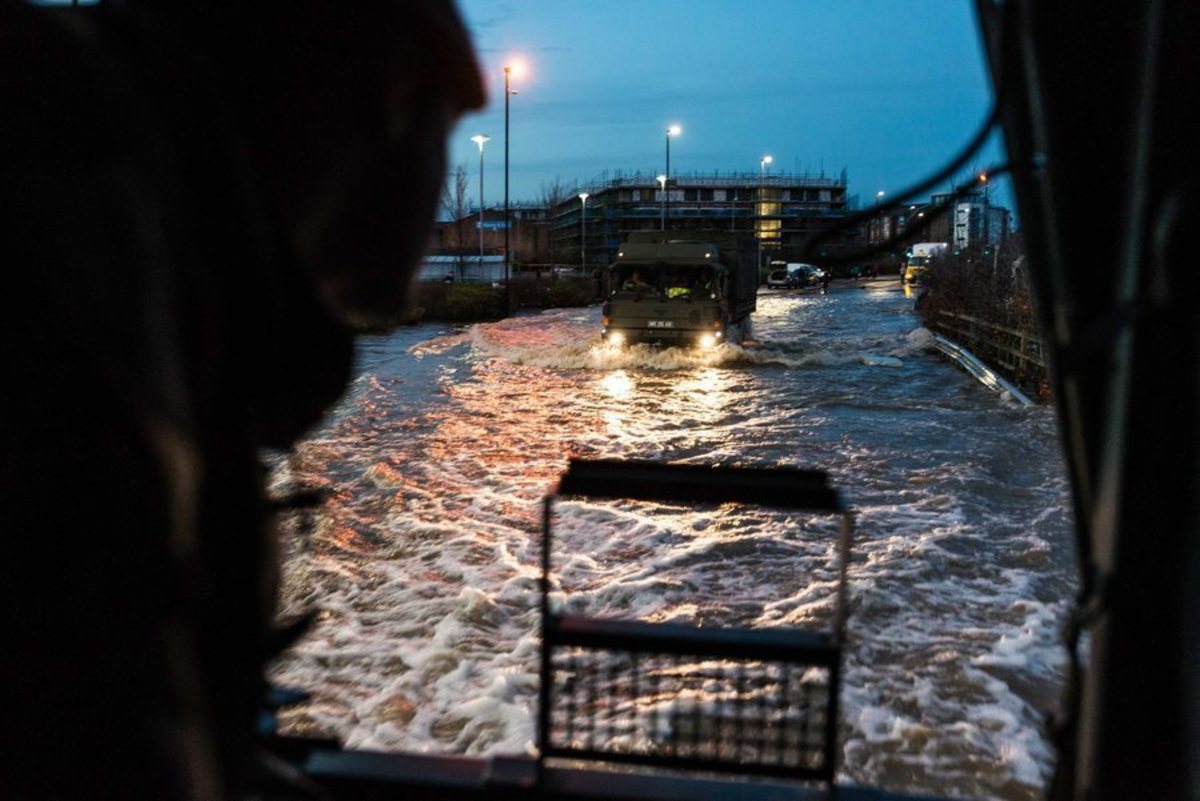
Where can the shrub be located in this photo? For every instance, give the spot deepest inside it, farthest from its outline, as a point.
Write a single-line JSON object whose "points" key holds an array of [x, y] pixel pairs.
{"points": [[997, 291], [570, 292], [467, 302], [992, 290], [547, 290], [457, 302], [461, 302]]}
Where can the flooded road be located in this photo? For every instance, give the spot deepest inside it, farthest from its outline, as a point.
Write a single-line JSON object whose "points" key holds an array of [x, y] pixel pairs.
{"points": [[424, 564]]}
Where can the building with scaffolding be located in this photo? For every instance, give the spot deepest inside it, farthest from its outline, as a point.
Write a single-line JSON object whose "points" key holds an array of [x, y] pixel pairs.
{"points": [[771, 213]]}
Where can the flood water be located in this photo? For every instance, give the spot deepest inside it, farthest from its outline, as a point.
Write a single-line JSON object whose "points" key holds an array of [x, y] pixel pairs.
{"points": [[424, 564]]}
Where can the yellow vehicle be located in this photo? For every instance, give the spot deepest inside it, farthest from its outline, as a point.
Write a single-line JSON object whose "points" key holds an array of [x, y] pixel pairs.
{"points": [[919, 256]]}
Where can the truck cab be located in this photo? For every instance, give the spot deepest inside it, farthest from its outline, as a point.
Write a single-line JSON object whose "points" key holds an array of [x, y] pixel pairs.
{"points": [[675, 293], [916, 264]]}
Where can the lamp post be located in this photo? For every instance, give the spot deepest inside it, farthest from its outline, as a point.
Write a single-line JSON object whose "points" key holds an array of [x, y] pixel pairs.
{"points": [[762, 174], [673, 130], [662, 182], [880, 224], [479, 139], [507, 222], [583, 196], [983, 179]]}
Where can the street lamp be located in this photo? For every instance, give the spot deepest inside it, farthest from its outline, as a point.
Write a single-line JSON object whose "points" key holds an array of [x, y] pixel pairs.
{"points": [[879, 224], [983, 179], [479, 139], [583, 196], [762, 174], [508, 92], [662, 182], [672, 130]]}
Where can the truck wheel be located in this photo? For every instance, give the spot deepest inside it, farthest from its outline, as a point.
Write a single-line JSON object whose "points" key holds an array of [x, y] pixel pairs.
{"points": [[740, 332]]}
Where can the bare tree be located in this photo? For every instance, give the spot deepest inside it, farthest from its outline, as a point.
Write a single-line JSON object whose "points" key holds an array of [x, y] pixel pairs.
{"points": [[456, 235], [554, 192]]}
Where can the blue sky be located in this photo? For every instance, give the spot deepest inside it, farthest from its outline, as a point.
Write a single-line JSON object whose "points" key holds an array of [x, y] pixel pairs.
{"points": [[887, 89]]}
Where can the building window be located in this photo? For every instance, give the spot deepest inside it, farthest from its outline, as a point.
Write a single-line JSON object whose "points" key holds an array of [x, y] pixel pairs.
{"points": [[690, 195], [706, 194]]}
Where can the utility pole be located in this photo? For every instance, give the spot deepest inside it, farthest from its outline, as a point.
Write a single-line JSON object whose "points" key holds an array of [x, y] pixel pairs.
{"points": [[673, 130], [507, 220], [583, 196], [762, 174], [479, 139]]}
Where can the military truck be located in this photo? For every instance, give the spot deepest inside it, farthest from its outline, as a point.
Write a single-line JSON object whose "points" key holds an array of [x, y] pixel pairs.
{"points": [[679, 292]]}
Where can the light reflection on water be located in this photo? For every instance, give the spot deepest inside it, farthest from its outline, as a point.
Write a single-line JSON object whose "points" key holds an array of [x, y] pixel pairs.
{"points": [[424, 565]]}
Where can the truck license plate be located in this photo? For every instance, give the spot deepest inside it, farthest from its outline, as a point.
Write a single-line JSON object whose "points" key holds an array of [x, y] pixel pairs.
{"points": [[661, 324]]}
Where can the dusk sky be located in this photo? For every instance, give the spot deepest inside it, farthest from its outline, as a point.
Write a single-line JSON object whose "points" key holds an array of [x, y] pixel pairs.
{"points": [[888, 90]]}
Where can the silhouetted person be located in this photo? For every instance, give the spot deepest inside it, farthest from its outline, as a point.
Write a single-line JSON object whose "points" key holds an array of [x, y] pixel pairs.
{"points": [[200, 204], [635, 283]]}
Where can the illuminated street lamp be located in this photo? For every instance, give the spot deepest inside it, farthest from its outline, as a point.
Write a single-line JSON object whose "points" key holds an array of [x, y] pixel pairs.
{"points": [[508, 92], [762, 174], [987, 232], [479, 139], [583, 196], [878, 226], [672, 130]]}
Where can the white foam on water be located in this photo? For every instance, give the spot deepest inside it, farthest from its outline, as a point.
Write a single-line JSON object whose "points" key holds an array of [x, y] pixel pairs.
{"points": [[915, 341], [872, 360], [559, 340], [424, 566]]}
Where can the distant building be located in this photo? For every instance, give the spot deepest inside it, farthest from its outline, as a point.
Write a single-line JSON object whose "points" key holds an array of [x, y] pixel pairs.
{"points": [[778, 211], [489, 269], [970, 221], [528, 240], [973, 221]]}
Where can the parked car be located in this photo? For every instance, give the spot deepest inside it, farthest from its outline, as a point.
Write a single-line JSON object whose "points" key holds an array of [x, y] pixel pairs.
{"points": [[795, 276], [781, 279], [813, 275]]}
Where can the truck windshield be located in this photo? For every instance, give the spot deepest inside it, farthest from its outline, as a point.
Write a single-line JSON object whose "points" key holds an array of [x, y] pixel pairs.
{"points": [[636, 281], [689, 283], [664, 283]]}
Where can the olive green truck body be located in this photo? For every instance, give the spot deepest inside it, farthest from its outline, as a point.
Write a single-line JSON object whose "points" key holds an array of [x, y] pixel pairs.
{"points": [[676, 292]]}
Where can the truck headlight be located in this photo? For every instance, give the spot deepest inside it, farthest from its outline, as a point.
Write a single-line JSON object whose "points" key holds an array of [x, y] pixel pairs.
{"points": [[707, 340], [616, 338]]}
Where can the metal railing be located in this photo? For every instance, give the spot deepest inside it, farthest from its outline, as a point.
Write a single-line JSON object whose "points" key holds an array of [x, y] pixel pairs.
{"points": [[748, 179], [746, 701], [1018, 353]]}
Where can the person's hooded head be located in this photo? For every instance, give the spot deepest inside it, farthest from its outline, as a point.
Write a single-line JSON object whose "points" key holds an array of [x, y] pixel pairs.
{"points": [[345, 108]]}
